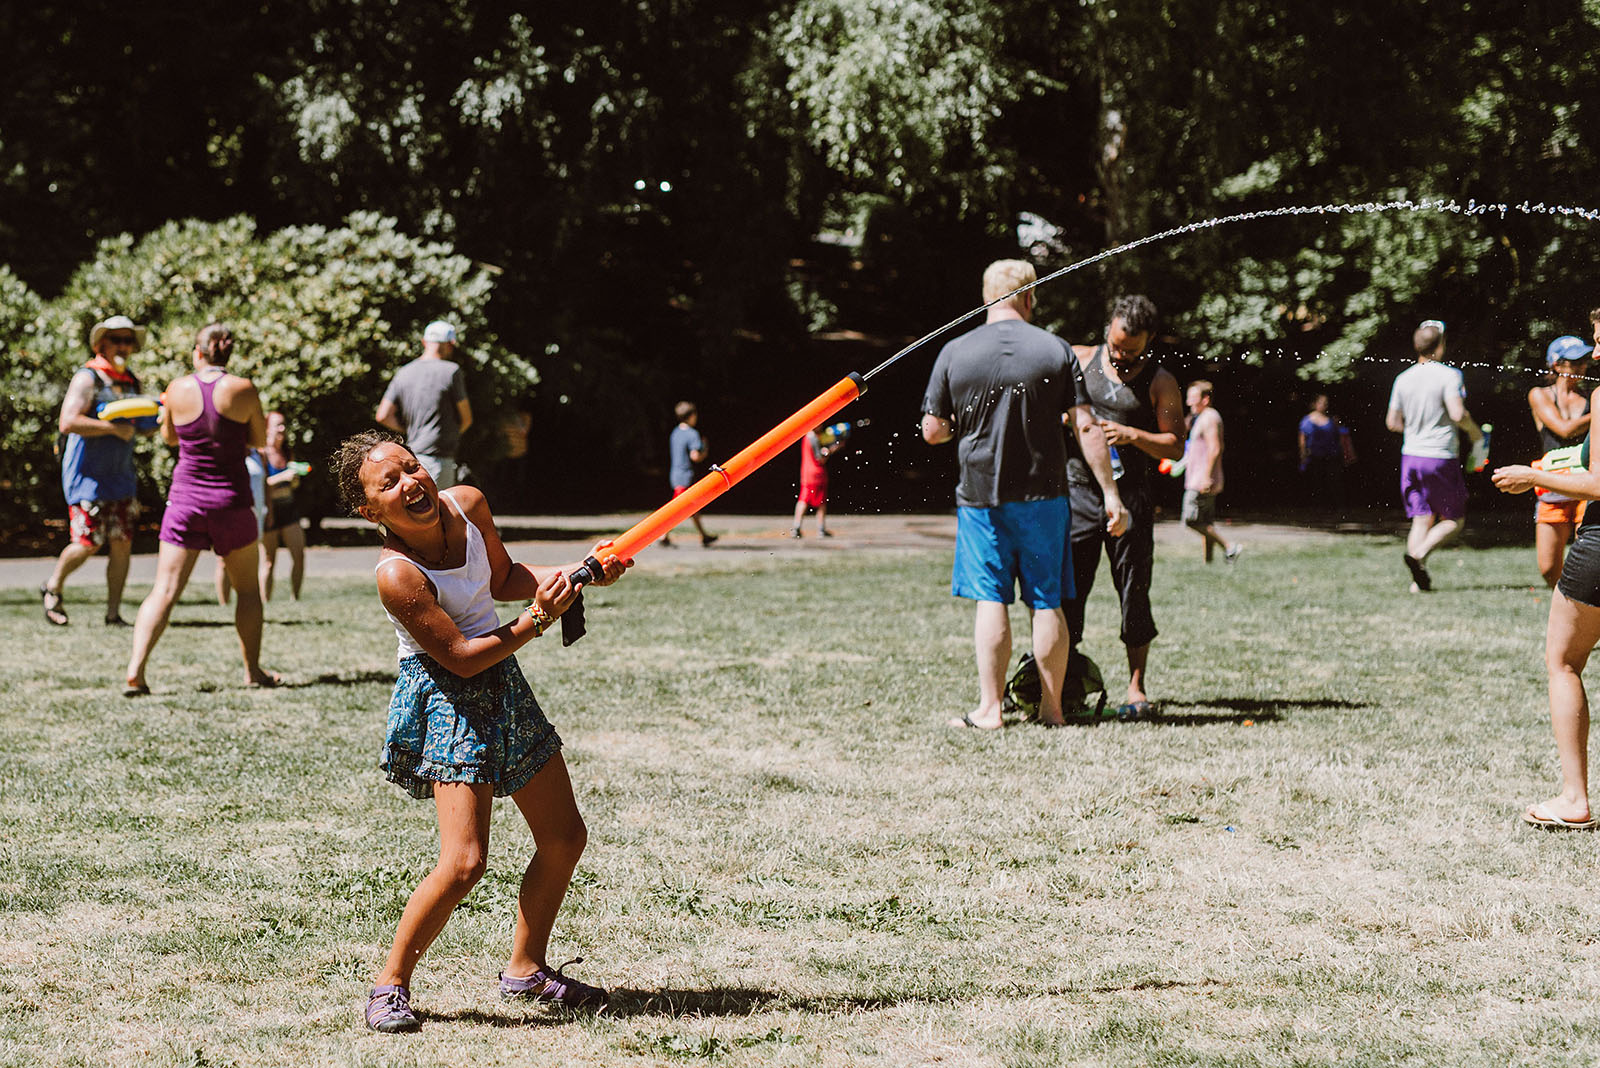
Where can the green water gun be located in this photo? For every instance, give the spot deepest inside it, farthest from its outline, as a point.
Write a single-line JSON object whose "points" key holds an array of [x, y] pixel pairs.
{"points": [[1570, 458]]}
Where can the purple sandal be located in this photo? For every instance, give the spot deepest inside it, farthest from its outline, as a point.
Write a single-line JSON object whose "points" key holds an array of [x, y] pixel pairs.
{"points": [[389, 1010], [553, 989]]}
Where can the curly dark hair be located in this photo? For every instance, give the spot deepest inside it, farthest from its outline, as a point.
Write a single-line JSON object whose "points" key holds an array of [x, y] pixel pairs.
{"points": [[346, 463], [1137, 313]]}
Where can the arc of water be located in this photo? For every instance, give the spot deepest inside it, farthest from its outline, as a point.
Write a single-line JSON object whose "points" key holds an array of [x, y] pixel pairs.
{"points": [[1377, 207]]}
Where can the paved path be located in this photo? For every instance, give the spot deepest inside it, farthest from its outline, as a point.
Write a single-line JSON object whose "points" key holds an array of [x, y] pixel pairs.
{"points": [[559, 539]]}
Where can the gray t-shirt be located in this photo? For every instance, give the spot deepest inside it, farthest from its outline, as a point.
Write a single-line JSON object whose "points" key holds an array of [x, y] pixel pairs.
{"points": [[1419, 396], [681, 442], [1004, 386], [425, 394]]}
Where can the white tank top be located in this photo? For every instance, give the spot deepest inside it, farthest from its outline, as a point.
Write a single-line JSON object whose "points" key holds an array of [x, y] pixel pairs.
{"points": [[463, 591]]}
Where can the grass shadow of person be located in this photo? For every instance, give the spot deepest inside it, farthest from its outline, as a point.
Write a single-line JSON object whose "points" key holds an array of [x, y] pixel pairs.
{"points": [[1239, 709], [727, 1001], [354, 678]]}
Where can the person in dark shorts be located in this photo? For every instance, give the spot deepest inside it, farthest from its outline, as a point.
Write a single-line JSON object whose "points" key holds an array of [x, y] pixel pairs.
{"points": [[213, 418], [1427, 405], [1571, 634], [1140, 410], [1000, 392], [686, 449], [1561, 416], [1325, 451], [283, 520], [1202, 473], [463, 725]]}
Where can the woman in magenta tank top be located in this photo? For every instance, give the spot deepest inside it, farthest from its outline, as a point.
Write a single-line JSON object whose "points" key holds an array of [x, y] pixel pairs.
{"points": [[213, 418]]}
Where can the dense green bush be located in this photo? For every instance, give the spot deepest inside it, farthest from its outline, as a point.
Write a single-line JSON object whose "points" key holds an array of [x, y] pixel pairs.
{"points": [[322, 317], [28, 395]]}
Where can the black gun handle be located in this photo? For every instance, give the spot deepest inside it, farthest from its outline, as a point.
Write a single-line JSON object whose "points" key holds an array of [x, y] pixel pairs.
{"points": [[572, 627]]}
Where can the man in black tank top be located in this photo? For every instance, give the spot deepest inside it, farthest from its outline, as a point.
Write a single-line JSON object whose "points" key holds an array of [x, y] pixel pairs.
{"points": [[1140, 410]]}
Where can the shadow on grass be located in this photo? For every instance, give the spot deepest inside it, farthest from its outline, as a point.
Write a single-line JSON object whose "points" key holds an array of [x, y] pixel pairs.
{"points": [[489, 1019], [727, 1001], [673, 1003], [271, 624], [354, 678], [1239, 709]]}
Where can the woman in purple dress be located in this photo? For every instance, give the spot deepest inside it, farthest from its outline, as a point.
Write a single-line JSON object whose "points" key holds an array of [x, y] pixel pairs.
{"points": [[213, 418]]}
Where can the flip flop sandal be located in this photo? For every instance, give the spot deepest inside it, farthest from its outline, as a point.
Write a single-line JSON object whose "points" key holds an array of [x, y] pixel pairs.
{"points": [[1540, 816], [54, 614], [136, 689]]}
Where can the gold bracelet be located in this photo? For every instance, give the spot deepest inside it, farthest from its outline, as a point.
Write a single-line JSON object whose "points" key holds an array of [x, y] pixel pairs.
{"points": [[541, 620]]}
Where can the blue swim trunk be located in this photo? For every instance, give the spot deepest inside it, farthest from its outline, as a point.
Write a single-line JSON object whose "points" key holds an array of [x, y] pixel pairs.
{"points": [[1019, 542]]}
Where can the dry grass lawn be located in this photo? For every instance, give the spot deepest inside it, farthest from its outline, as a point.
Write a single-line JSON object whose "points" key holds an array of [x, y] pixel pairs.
{"points": [[1311, 859]]}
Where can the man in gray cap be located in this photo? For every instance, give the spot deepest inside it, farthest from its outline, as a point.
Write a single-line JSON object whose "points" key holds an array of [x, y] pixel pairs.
{"points": [[97, 475], [427, 402]]}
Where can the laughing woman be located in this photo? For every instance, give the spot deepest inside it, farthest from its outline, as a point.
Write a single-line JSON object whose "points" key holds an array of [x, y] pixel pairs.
{"points": [[463, 726], [1570, 636]]}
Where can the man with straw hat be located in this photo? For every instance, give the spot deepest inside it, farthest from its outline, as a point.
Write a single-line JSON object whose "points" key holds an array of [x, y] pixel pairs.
{"points": [[97, 474]]}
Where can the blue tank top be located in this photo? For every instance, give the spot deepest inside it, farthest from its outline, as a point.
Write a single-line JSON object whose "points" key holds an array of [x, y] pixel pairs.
{"points": [[100, 469]]}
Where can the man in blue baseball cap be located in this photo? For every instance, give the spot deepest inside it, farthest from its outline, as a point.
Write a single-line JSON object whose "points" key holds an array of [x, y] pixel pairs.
{"points": [[1561, 414]]}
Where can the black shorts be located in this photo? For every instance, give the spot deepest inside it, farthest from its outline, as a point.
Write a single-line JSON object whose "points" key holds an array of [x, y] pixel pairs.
{"points": [[1580, 575], [285, 513]]}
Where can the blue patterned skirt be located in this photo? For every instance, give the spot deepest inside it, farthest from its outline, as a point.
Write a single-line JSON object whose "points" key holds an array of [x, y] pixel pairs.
{"points": [[445, 728]]}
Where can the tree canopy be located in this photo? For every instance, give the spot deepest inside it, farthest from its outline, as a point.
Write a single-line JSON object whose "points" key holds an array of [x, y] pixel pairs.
{"points": [[662, 191]]}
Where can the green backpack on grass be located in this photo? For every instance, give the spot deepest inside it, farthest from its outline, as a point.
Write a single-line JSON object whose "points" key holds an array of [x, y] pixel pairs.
{"points": [[1083, 679]]}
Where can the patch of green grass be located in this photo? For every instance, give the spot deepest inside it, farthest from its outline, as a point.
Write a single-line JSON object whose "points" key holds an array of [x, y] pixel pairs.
{"points": [[1311, 858]]}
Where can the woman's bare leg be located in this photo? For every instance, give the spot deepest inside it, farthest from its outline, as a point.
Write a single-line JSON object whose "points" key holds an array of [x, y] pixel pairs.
{"points": [[559, 836], [464, 810], [294, 539], [1550, 549], [173, 566], [269, 562], [1570, 637], [241, 566]]}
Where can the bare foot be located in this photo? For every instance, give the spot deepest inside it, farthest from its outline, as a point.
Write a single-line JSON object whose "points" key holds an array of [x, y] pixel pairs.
{"points": [[976, 720], [263, 680]]}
